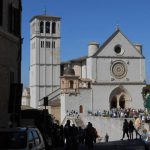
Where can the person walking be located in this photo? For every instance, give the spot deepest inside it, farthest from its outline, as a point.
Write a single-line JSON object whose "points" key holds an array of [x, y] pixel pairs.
{"points": [[125, 129], [89, 136], [68, 135], [106, 138]]}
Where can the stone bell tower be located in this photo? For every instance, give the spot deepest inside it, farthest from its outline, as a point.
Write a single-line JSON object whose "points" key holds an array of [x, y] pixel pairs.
{"points": [[44, 57]]}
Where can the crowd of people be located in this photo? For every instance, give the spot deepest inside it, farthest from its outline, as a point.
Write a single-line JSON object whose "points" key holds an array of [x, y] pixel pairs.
{"points": [[70, 137], [123, 113], [72, 113], [116, 113]]}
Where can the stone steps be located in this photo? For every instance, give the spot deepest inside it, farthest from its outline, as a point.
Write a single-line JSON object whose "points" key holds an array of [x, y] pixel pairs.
{"points": [[118, 145], [79, 123]]}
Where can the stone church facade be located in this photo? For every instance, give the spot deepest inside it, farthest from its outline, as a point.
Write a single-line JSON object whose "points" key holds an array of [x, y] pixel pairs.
{"points": [[112, 75]]}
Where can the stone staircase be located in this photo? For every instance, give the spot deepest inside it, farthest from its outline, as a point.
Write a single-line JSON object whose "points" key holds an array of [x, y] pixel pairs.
{"points": [[121, 145], [74, 120], [79, 122]]}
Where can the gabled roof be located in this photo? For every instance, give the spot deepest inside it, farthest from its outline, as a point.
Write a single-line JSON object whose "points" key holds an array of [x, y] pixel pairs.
{"points": [[107, 41], [110, 38]]}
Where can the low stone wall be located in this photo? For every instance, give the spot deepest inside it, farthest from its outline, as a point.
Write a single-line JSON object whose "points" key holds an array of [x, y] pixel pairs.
{"points": [[103, 125]]}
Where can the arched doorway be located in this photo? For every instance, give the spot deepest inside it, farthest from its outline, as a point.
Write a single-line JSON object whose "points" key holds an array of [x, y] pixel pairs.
{"points": [[120, 98], [81, 109], [122, 102], [113, 103]]}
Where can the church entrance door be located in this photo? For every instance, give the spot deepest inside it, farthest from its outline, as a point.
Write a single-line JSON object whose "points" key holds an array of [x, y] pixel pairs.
{"points": [[120, 98], [81, 109], [122, 102], [113, 103]]}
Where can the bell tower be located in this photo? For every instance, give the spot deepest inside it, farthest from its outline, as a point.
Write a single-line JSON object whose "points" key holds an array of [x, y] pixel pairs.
{"points": [[44, 57]]}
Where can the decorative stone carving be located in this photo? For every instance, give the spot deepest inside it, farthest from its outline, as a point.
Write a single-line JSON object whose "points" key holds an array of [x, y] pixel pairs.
{"points": [[118, 69]]}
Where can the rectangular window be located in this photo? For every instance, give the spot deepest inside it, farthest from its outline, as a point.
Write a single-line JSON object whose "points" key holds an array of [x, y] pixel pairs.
{"points": [[14, 20], [1, 12], [10, 18], [17, 22], [46, 44], [54, 45], [42, 44]]}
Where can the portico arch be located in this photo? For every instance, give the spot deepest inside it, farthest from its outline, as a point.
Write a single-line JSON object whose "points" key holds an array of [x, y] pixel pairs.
{"points": [[120, 98]]}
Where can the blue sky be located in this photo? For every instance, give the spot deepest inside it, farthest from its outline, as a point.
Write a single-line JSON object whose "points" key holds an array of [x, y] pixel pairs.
{"points": [[84, 21]]}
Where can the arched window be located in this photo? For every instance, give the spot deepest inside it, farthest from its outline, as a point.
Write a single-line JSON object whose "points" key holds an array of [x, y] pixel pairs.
{"points": [[81, 109], [53, 27], [71, 84], [41, 26], [47, 27]]}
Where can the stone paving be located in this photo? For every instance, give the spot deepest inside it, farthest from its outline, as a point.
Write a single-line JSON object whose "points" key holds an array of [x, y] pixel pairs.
{"points": [[115, 145]]}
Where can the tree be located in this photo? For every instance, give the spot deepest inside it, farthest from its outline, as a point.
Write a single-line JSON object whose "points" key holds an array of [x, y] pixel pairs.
{"points": [[146, 96]]}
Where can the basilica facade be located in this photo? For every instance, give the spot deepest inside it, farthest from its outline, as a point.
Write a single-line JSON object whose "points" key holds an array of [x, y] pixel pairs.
{"points": [[112, 75]]}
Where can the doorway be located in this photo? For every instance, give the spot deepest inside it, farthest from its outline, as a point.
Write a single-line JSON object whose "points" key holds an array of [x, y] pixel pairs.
{"points": [[113, 103], [122, 102], [81, 109]]}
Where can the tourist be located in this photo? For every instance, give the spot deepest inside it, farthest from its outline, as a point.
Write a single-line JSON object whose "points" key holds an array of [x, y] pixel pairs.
{"points": [[106, 138], [131, 129], [68, 135], [89, 136], [74, 137]]}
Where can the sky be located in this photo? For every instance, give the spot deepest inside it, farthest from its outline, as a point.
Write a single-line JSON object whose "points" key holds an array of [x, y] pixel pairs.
{"points": [[84, 21]]}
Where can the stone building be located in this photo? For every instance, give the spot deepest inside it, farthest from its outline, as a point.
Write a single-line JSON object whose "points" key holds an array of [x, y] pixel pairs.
{"points": [[10, 58], [25, 97], [112, 75], [44, 57]]}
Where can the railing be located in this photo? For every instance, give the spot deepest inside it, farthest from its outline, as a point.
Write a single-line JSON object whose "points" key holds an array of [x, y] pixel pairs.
{"points": [[51, 96]]}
